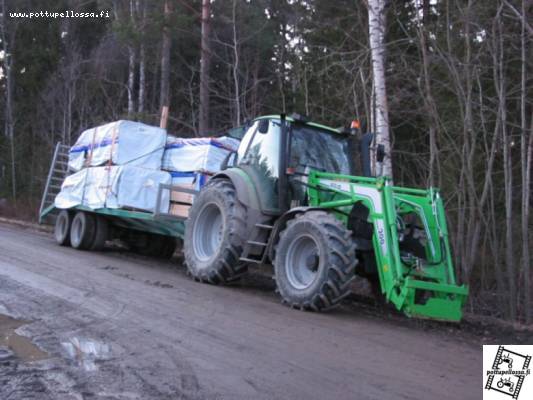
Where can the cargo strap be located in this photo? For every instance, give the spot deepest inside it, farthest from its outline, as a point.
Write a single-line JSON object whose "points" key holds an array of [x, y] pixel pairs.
{"points": [[90, 157], [110, 162]]}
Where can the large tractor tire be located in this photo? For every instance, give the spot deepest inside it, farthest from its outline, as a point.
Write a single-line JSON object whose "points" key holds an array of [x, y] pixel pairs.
{"points": [[315, 261], [62, 228], [82, 231], [215, 234]]}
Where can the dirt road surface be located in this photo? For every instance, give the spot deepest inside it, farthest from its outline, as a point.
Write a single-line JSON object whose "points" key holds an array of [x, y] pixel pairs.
{"points": [[116, 326]]}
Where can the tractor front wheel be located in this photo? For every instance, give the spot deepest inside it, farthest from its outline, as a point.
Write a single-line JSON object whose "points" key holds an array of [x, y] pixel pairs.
{"points": [[315, 261]]}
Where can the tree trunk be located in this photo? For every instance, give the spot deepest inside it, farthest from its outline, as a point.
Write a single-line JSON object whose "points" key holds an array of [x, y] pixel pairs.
{"points": [[165, 58], [525, 152], [526, 258], [131, 67], [429, 101], [142, 79], [376, 29], [205, 63], [131, 80], [236, 66], [141, 6], [8, 111], [507, 167]]}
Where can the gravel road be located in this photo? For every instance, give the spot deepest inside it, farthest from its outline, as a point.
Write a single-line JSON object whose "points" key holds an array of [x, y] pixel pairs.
{"points": [[111, 325]]}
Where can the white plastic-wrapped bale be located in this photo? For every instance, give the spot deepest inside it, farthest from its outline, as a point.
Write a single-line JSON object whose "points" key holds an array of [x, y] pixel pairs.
{"points": [[115, 187], [72, 190], [138, 188], [119, 143], [198, 154]]}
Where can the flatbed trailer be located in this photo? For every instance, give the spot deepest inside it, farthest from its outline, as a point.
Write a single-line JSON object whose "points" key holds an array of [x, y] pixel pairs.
{"points": [[120, 223], [135, 220]]}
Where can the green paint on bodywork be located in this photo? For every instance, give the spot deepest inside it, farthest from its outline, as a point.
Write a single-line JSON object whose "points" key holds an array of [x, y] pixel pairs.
{"points": [[253, 198], [46, 212], [421, 287]]}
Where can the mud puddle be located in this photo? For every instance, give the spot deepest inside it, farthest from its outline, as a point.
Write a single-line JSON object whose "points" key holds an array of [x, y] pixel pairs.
{"points": [[86, 352], [20, 346]]}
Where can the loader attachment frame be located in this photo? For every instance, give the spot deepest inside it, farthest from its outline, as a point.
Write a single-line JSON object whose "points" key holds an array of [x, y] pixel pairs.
{"points": [[422, 286]]}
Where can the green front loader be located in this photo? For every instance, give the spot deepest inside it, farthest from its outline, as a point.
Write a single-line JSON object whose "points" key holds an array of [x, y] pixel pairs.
{"points": [[300, 195]]}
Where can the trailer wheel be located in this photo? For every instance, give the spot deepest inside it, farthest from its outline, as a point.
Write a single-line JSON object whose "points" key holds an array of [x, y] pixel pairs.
{"points": [[215, 234], [62, 228], [101, 234], [82, 231], [315, 261]]}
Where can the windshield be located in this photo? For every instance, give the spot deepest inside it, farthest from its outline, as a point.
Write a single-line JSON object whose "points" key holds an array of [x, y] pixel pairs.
{"points": [[320, 150]]}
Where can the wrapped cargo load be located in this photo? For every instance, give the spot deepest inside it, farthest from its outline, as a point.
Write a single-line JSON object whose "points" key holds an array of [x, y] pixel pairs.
{"points": [[138, 188], [119, 143], [198, 154], [72, 190], [115, 187], [194, 180]]}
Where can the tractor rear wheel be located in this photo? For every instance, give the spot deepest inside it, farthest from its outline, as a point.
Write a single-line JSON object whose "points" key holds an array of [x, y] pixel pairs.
{"points": [[315, 261], [215, 234]]}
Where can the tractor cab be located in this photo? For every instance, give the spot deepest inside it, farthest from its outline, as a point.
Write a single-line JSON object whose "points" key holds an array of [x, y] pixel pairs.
{"points": [[279, 152]]}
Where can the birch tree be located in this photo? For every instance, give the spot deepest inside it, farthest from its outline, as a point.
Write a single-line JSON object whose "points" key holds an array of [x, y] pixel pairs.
{"points": [[376, 30], [131, 66], [141, 9]]}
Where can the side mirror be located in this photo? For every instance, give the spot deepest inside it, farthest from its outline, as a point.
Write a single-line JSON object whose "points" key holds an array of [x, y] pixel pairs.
{"points": [[231, 156], [380, 153], [263, 126]]}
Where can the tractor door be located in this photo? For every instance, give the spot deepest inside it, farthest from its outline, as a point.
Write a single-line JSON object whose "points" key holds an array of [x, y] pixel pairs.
{"points": [[259, 157]]}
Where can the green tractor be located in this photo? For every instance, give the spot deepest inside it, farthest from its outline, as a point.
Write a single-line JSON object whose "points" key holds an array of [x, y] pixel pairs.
{"points": [[301, 196]]}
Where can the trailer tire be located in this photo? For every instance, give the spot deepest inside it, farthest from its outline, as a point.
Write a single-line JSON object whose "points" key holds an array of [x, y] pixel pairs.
{"points": [[62, 228], [101, 234], [215, 234], [82, 231], [315, 261]]}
